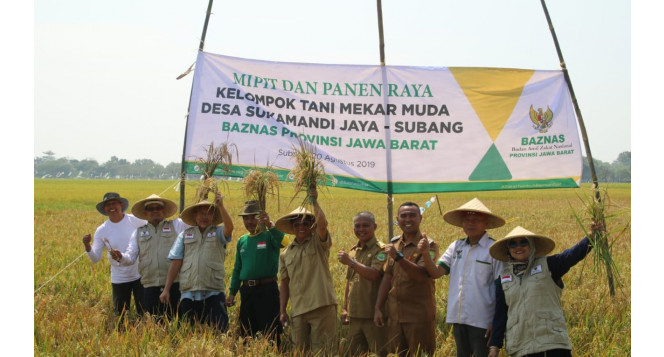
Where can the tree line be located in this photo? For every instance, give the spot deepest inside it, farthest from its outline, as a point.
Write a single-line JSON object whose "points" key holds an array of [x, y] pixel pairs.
{"points": [[48, 166]]}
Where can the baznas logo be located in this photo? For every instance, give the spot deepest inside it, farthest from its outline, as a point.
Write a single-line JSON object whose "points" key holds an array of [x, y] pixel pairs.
{"points": [[542, 120]]}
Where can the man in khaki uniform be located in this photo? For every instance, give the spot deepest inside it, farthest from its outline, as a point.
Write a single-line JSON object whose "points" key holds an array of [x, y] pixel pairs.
{"points": [[365, 262], [408, 289], [304, 271]]}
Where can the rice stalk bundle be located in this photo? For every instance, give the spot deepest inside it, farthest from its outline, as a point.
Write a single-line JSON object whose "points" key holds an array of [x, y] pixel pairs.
{"points": [[258, 183], [308, 172], [216, 157], [596, 207]]}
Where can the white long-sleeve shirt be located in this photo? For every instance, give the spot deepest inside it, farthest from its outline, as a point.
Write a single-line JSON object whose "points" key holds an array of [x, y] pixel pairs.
{"points": [[118, 235]]}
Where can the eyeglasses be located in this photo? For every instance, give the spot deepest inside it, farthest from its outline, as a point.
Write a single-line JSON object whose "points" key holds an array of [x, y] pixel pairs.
{"points": [[521, 243], [303, 224], [154, 208]]}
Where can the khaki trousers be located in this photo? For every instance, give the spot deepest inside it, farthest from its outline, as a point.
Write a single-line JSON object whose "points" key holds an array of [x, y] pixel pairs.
{"points": [[316, 330], [365, 336]]}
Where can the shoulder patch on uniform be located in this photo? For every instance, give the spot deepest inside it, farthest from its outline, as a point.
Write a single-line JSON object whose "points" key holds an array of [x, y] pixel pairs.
{"points": [[381, 256]]}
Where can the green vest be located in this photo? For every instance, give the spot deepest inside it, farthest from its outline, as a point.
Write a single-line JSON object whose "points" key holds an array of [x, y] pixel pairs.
{"points": [[203, 262], [535, 320], [153, 247]]}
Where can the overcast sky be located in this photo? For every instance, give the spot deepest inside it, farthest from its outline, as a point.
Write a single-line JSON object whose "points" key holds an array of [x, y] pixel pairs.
{"points": [[105, 71]]}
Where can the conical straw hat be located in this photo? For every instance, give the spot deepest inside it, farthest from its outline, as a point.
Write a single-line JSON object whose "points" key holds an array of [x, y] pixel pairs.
{"points": [[138, 209], [455, 216], [284, 224], [189, 218], [543, 245]]}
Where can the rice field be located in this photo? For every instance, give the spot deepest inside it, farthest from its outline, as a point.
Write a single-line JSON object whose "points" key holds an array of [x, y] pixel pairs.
{"points": [[73, 312]]}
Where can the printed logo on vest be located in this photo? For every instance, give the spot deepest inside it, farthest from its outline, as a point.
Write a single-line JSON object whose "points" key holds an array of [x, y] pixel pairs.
{"points": [[166, 229], [145, 233], [536, 270], [211, 234], [261, 245], [505, 278]]}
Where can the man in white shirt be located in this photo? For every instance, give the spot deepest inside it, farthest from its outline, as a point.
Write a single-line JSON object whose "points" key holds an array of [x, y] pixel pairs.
{"points": [[114, 233], [471, 297]]}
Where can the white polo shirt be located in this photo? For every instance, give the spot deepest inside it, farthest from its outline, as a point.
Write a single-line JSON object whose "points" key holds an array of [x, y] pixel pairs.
{"points": [[471, 297]]}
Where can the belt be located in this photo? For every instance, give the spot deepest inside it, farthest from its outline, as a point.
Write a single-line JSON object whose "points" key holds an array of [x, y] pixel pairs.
{"points": [[258, 282]]}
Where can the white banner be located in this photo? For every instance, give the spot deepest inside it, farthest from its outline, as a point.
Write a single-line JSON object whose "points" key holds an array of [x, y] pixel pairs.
{"points": [[420, 129]]}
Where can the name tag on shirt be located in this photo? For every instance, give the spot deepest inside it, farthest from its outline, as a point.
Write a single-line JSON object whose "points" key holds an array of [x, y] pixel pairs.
{"points": [[145, 234], [505, 278], [261, 245], [211, 234], [536, 270], [166, 229], [188, 236]]}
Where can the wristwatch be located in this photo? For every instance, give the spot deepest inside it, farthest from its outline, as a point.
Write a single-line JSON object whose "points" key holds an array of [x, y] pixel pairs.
{"points": [[398, 257]]}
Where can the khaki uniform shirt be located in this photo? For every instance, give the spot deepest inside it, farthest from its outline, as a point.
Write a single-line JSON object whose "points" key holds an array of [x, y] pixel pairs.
{"points": [[409, 300], [307, 266], [362, 293]]}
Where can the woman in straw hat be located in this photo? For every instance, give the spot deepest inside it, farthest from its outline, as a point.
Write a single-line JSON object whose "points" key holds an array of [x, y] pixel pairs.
{"points": [[198, 257], [152, 243], [528, 298]]}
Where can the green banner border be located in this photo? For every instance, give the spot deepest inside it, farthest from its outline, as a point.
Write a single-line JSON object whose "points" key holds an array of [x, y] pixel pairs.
{"points": [[406, 187]]}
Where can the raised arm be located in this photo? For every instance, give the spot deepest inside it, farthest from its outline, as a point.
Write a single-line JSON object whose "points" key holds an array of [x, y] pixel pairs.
{"points": [[226, 218], [321, 221], [434, 271], [365, 271]]}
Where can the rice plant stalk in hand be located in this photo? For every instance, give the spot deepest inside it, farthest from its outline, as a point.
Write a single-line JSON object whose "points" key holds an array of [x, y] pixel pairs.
{"points": [[258, 183], [308, 172], [596, 209], [216, 157]]}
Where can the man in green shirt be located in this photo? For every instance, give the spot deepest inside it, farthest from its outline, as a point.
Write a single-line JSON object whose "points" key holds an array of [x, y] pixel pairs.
{"points": [[255, 274]]}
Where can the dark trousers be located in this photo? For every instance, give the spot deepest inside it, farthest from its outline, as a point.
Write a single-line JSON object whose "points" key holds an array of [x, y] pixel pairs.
{"points": [[211, 311], [122, 296], [259, 311], [470, 340], [152, 305]]}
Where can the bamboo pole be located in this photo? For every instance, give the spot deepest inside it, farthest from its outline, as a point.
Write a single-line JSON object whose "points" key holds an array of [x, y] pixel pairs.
{"points": [[584, 134], [184, 147], [388, 151]]}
